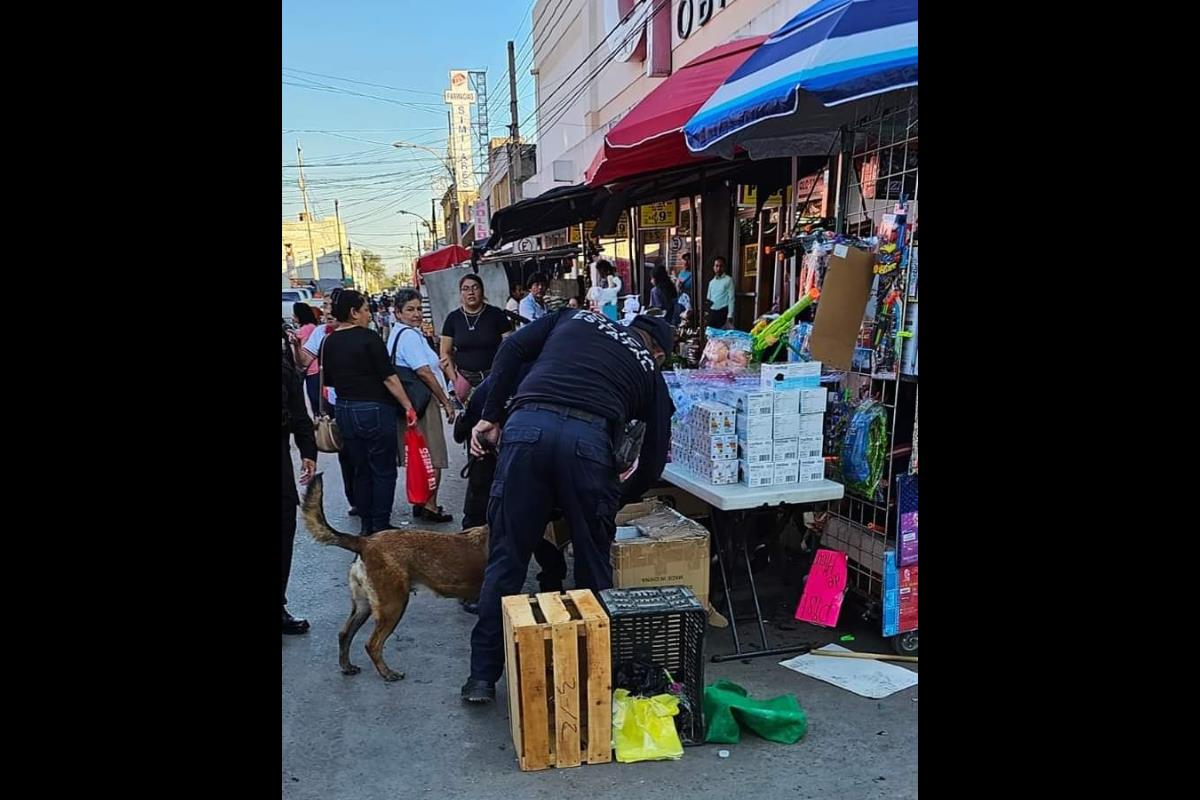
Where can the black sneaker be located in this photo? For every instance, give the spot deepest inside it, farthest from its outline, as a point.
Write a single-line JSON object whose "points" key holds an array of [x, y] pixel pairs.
{"points": [[478, 692], [470, 607]]}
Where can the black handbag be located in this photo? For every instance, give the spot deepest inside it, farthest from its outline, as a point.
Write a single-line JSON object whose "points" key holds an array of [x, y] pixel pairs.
{"points": [[418, 392]]}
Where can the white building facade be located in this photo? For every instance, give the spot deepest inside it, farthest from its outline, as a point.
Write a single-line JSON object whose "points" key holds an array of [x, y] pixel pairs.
{"points": [[574, 111]]}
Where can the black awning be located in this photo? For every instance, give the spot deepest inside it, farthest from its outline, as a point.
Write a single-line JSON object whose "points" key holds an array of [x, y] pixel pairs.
{"points": [[553, 210]]}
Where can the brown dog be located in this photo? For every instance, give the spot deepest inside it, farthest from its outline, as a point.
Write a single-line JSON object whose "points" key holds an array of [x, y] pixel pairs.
{"points": [[389, 564]]}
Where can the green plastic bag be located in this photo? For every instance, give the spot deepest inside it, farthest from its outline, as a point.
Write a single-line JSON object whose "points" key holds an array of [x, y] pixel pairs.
{"points": [[728, 708], [644, 728]]}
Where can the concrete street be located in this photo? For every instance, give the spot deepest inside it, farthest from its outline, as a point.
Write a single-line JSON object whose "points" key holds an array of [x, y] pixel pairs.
{"points": [[359, 738]]}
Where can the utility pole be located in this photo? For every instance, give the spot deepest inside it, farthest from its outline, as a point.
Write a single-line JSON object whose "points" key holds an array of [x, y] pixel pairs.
{"points": [[514, 133], [337, 216], [312, 249], [432, 224]]}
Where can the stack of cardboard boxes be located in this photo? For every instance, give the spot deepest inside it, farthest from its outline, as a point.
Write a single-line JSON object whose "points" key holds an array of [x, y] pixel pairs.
{"points": [[705, 442], [780, 425]]}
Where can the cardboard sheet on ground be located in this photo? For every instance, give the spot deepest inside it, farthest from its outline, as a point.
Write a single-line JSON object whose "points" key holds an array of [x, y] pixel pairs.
{"points": [[823, 591], [866, 678]]}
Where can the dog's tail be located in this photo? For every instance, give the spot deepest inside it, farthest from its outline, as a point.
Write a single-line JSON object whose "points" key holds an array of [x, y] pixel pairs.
{"points": [[314, 517]]}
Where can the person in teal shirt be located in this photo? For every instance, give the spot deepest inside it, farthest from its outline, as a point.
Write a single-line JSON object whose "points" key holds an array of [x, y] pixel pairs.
{"points": [[720, 294]]}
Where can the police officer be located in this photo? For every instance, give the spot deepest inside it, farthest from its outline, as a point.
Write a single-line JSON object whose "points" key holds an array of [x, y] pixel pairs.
{"points": [[589, 376], [480, 473], [296, 422]]}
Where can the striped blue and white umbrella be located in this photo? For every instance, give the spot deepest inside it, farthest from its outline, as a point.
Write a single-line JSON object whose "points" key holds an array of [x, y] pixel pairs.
{"points": [[826, 67]]}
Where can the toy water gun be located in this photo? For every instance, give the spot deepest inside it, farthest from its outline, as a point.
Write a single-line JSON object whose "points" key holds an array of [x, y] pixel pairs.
{"points": [[778, 329]]}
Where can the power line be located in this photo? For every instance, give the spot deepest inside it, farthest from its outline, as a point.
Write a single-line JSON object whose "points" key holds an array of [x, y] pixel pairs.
{"points": [[363, 83], [560, 108]]}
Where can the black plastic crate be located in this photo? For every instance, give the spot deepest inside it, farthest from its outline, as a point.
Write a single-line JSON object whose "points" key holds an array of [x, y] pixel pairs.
{"points": [[666, 626]]}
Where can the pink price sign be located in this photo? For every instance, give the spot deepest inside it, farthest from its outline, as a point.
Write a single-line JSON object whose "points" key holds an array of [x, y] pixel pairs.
{"points": [[821, 601]]}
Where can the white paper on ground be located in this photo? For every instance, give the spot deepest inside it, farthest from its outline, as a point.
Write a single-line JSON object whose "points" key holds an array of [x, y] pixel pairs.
{"points": [[864, 677]]}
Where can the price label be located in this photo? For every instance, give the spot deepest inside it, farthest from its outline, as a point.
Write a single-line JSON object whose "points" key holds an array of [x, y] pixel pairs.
{"points": [[658, 215]]}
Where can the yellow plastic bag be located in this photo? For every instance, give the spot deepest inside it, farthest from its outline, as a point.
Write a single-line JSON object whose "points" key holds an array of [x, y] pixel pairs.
{"points": [[644, 728]]}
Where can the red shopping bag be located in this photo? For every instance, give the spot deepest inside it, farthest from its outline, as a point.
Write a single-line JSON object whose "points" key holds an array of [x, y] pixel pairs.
{"points": [[420, 479]]}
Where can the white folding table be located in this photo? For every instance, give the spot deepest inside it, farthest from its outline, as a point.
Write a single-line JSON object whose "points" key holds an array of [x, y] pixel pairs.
{"points": [[735, 499]]}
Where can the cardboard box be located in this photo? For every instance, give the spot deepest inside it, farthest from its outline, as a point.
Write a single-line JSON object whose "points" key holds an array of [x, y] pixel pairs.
{"points": [[787, 401], [811, 425], [810, 447], [814, 401], [682, 501], [749, 403], [673, 551], [757, 475], [756, 452], [811, 469], [719, 446], [785, 450], [719, 471], [786, 472], [713, 418], [843, 302], [793, 375], [755, 429], [787, 426]]}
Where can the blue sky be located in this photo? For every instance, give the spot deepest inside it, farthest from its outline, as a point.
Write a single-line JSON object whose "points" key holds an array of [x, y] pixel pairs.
{"points": [[406, 48]]}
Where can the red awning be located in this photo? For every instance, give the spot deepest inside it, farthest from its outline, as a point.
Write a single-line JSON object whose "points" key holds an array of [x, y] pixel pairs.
{"points": [[650, 137], [441, 259]]}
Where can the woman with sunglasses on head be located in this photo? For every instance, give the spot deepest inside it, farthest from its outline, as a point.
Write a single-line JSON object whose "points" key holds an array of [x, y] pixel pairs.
{"points": [[407, 347], [471, 335]]}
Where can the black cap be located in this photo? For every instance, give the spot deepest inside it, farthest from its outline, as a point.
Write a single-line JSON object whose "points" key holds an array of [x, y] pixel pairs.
{"points": [[658, 328]]}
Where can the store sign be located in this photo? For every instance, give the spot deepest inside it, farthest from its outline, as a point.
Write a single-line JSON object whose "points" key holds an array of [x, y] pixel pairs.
{"points": [[658, 215], [460, 98], [694, 14], [482, 221], [622, 231], [748, 198], [640, 30]]}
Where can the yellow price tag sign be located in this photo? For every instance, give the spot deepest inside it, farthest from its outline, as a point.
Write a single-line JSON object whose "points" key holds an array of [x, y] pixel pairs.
{"points": [[659, 215]]}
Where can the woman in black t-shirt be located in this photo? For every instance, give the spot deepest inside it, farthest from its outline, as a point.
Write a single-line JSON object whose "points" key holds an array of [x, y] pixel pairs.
{"points": [[471, 336]]}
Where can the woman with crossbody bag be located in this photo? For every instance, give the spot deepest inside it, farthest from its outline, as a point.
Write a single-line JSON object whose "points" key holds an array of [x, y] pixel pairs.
{"points": [[417, 366]]}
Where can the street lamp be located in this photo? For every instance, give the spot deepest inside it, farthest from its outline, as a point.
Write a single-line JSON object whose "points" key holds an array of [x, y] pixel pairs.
{"points": [[432, 228], [453, 183]]}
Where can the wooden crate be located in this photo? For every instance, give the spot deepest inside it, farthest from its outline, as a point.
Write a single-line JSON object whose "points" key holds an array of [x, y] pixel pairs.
{"points": [[559, 668]]}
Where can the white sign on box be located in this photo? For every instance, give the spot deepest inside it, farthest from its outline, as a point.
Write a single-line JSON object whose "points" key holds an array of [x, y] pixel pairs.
{"points": [[755, 429], [787, 401]]}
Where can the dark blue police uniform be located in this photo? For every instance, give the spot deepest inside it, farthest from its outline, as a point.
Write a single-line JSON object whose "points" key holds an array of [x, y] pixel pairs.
{"points": [[588, 377]]}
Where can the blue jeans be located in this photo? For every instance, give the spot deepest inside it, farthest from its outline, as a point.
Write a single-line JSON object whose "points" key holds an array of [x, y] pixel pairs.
{"points": [[547, 460], [369, 439]]}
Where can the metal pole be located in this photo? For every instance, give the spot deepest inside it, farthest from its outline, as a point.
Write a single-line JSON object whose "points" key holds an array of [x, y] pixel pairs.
{"points": [[514, 133], [432, 224], [791, 226], [312, 248], [337, 216]]}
